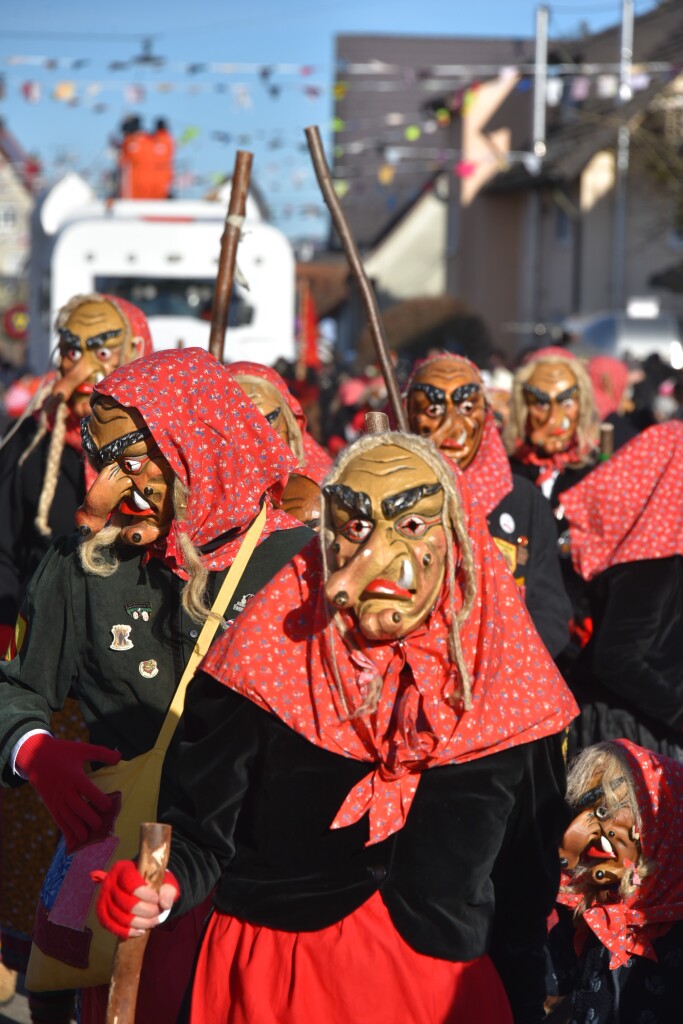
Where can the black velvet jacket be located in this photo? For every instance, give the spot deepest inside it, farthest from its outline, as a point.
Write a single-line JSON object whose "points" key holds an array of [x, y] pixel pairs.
{"points": [[575, 587], [21, 546], [474, 869], [643, 991], [629, 680], [67, 649], [569, 476], [525, 524]]}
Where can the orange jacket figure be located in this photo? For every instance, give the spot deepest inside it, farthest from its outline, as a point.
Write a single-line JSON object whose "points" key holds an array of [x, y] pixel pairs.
{"points": [[136, 162], [163, 149]]}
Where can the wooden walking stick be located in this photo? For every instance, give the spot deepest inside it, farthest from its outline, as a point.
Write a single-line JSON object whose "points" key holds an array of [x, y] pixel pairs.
{"points": [[324, 177], [155, 846], [226, 264]]}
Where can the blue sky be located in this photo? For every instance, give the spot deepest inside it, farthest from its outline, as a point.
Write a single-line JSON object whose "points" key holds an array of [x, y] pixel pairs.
{"points": [[281, 57]]}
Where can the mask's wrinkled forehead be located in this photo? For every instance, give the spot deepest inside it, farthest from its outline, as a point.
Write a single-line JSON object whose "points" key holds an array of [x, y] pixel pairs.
{"points": [[387, 480]]}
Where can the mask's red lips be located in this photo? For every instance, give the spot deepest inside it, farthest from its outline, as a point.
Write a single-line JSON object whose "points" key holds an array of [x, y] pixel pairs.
{"points": [[596, 852], [130, 507], [386, 588], [85, 389]]}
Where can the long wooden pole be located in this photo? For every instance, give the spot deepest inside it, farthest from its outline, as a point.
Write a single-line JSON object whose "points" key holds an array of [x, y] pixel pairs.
{"points": [[324, 177], [229, 241], [155, 846]]}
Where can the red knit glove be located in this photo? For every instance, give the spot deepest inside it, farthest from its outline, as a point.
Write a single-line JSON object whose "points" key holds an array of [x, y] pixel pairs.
{"points": [[127, 905], [55, 769]]}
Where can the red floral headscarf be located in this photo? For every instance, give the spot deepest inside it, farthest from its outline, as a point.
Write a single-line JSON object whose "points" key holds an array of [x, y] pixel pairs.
{"points": [[279, 654], [627, 927], [609, 378], [316, 460], [631, 507], [215, 441], [488, 474]]}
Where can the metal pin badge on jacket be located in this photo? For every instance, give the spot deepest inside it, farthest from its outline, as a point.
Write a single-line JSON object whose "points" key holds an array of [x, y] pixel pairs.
{"points": [[507, 523], [121, 634], [149, 668], [139, 611]]}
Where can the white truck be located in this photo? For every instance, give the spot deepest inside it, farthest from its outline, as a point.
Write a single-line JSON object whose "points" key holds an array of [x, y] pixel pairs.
{"points": [[162, 255]]}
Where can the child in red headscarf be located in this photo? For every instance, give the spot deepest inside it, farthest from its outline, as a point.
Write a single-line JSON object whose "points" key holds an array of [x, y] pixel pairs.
{"points": [[623, 879]]}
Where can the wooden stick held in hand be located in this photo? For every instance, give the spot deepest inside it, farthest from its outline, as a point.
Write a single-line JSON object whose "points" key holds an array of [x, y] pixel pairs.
{"points": [[155, 846], [229, 241], [369, 300]]}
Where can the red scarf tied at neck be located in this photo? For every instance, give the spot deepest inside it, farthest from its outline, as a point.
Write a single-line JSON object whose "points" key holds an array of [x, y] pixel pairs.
{"points": [[627, 927], [280, 655]]}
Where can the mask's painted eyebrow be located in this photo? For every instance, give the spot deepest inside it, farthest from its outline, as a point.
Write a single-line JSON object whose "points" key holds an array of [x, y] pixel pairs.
{"points": [[567, 393], [89, 446], [395, 504], [356, 502], [98, 339], [540, 396], [463, 392], [434, 394], [112, 451], [589, 798], [68, 337]]}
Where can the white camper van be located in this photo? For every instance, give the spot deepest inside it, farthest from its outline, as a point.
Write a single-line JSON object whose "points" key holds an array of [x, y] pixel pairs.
{"points": [[163, 256]]}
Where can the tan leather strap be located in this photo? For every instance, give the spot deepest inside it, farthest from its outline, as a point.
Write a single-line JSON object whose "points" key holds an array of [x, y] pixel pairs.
{"points": [[208, 631]]}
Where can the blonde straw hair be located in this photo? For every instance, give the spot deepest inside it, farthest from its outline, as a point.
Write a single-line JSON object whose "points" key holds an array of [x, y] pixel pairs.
{"points": [[296, 441], [52, 466], [453, 522], [98, 556]]}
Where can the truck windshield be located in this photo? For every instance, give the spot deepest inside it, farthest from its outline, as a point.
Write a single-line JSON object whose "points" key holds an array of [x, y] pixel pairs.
{"points": [[174, 296]]}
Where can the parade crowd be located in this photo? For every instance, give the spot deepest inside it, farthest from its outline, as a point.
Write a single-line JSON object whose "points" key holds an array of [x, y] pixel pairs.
{"points": [[409, 693]]}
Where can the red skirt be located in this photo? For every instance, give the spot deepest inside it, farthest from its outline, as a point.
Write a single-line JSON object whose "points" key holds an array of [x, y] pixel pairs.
{"points": [[359, 970]]}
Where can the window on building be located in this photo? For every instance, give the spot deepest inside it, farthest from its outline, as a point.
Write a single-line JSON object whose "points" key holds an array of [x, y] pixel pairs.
{"points": [[8, 218]]}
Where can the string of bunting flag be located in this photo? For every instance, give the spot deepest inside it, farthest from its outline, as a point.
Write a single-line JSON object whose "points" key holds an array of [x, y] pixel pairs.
{"points": [[405, 142]]}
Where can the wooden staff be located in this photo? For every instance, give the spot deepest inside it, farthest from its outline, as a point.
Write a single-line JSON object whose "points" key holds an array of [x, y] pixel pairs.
{"points": [[606, 441], [229, 241], [324, 177], [155, 846]]}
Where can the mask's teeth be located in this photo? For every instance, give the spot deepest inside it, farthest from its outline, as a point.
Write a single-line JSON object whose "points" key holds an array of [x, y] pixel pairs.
{"points": [[140, 502], [407, 577], [606, 845]]}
